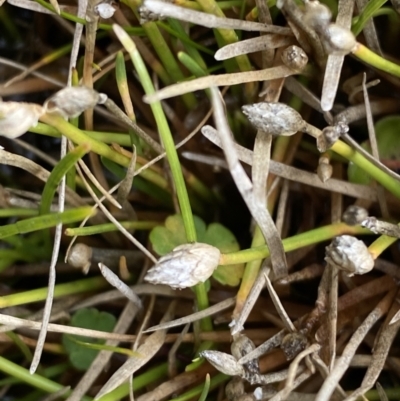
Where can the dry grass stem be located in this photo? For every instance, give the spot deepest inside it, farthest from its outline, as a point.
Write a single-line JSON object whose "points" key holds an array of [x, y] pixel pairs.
{"points": [[258, 211], [343, 362], [208, 20], [147, 350], [116, 282], [212, 310], [261, 43], [277, 303], [268, 74], [382, 345], [335, 62], [295, 174]]}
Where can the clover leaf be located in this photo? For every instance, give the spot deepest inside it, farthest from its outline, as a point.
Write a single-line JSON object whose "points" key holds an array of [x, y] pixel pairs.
{"points": [[80, 355], [165, 238]]}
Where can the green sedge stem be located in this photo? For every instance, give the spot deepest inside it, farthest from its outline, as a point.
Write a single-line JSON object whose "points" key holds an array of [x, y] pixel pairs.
{"points": [[380, 245], [77, 136], [106, 137], [164, 132], [50, 386], [290, 244], [374, 60], [59, 171], [172, 156], [196, 391], [375, 172], [168, 60], [366, 15], [60, 290], [108, 227]]}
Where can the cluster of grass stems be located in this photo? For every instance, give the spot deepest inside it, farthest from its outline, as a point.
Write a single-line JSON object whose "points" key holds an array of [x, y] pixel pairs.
{"points": [[138, 149]]}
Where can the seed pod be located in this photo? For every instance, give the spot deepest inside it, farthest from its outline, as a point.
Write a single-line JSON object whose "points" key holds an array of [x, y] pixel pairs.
{"points": [[274, 118], [295, 58], [338, 40], [185, 266], [73, 100], [225, 363], [80, 257], [292, 344], [329, 136], [241, 346], [16, 118], [324, 170], [106, 9], [349, 254], [354, 215], [318, 16]]}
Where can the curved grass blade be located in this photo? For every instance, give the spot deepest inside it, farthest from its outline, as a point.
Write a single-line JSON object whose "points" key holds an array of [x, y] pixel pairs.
{"points": [[59, 171], [45, 221]]}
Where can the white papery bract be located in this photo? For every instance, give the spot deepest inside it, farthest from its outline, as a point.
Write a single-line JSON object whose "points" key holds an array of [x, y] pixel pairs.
{"points": [[71, 101], [186, 266], [225, 363], [349, 254], [17, 117]]}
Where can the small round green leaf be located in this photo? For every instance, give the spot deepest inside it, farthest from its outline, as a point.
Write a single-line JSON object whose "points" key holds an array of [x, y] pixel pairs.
{"points": [[81, 357]]}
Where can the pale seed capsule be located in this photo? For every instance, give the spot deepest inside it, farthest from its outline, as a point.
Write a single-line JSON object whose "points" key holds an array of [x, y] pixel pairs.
{"points": [[354, 215], [16, 118], [80, 257], [292, 344], [324, 170], [225, 363], [106, 9], [295, 58], [317, 15], [339, 41], [349, 254], [73, 100], [186, 266], [329, 136], [274, 118]]}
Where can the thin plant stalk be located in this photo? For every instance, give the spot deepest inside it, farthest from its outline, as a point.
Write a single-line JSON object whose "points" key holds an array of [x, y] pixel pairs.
{"points": [[172, 156], [292, 243]]}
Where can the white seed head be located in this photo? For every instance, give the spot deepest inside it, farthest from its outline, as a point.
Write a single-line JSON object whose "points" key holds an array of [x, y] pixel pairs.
{"points": [[292, 344], [80, 257], [349, 254], [316, 15], [106, 9], [73, 100], [354, 215], [324, 170], [186, 266], [295, 58], [225, 363], [16, 118], [329, 136], [339, 40], [274, 118]]}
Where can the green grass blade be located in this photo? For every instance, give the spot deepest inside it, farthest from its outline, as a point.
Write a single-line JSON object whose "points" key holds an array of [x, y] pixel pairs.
{"points": [[59, 171], [108, 227], [45, 221]]}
